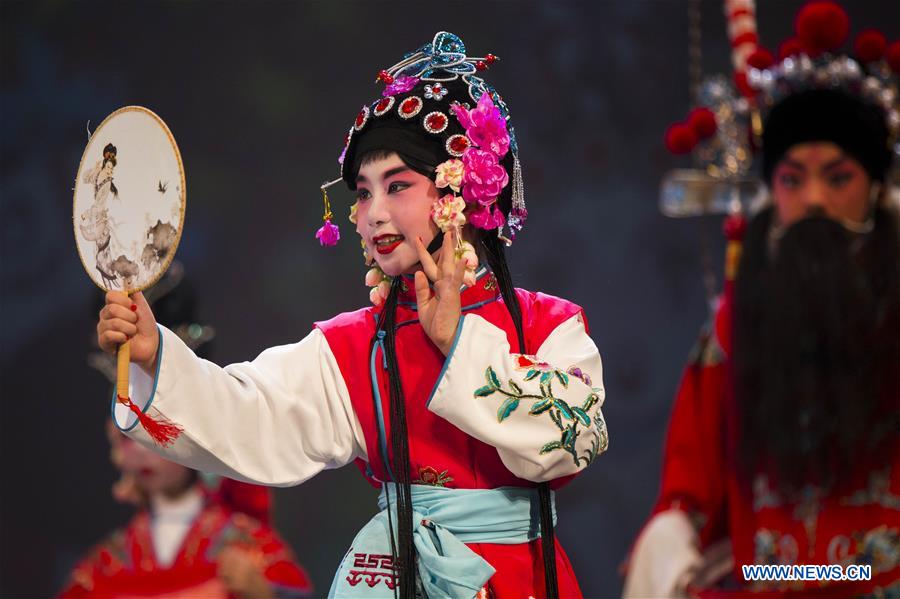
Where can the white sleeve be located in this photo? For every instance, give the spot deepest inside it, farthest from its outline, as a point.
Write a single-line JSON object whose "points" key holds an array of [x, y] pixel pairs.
{"points": [[278, 420], [541, 412]]}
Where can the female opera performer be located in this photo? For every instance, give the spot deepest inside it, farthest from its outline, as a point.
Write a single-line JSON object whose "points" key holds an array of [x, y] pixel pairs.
{"points": [[464, 399]]}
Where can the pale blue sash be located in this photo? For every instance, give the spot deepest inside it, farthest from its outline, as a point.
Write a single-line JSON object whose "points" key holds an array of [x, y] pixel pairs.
{"points": [[444, 520]]}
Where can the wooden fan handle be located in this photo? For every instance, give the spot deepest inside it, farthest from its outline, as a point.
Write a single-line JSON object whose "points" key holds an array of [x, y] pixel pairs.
{"points": [[123, 358]]}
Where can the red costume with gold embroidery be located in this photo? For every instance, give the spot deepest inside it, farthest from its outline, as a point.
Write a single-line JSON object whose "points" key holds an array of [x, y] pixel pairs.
{"points": [[856, 527], [125, 565]]}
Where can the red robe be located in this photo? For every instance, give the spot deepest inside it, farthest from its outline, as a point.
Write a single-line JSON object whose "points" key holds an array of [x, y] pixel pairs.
{"points": [[124, 566], [440, 453], [861, 526]]}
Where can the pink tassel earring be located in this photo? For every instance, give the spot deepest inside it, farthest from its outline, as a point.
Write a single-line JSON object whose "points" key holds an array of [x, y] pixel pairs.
{"points": [[329, 233]]}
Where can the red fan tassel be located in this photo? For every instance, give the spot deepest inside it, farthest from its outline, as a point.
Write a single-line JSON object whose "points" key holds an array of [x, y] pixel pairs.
{"points": [[163, 432]]}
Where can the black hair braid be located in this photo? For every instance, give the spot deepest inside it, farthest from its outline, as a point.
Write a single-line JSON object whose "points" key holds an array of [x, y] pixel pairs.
{"points": [[496, 258], [404, 556]]}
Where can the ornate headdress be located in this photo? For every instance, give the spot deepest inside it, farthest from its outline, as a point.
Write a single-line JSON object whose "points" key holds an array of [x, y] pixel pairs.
{"points": [[441, 115], [810, 93]]}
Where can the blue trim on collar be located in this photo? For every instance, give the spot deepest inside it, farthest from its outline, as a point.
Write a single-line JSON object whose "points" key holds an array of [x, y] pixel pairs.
{"points": [[112, 406], [437, 383], [376, 395]]}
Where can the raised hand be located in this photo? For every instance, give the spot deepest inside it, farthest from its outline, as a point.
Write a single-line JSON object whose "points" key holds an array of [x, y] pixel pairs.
{"points": [[240, 570], [439, 312], [126, 318]]}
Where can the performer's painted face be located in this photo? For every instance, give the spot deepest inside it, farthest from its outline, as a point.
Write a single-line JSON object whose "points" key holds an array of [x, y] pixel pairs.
{"points": [[820, 177], [394, 207], [152, 474]]}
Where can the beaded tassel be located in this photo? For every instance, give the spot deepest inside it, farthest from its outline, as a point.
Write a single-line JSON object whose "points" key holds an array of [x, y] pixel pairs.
{"points": [[517, 213]]}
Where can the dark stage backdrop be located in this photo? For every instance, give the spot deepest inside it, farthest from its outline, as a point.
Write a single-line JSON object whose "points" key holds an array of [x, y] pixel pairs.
{"points": [[259, 96]]}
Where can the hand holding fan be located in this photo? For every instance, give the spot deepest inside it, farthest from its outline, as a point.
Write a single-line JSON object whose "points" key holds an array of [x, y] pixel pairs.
{"points": [[128, 215]]}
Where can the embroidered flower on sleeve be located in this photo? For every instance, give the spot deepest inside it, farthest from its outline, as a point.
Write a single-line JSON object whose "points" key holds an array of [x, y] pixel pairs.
{"points": [[579, 374], [571, 419]]}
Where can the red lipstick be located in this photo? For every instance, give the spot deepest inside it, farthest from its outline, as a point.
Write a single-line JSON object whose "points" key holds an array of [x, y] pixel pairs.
{"points": [[385, 244]]}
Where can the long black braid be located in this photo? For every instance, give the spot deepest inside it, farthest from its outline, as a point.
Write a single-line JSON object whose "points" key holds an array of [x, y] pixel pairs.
{"points": [[405, 556]]}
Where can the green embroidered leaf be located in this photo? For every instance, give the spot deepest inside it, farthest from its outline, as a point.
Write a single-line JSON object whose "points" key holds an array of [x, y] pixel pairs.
{"points": [[582, 416], [568, 438], [484, 391], [592, 452], [508, 407], [541, 406], [589, 403], [531, 374], [563, 408], [545, 377], [548, 447], [563, 378], [516, 389], [554, 415], [491, 377]]}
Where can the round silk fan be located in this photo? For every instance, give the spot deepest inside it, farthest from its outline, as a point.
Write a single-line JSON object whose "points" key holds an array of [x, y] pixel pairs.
{"points": [[128, 213]]}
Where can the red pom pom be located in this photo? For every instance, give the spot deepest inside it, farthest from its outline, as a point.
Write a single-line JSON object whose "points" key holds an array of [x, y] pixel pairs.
{"points": [[748, 37], [822, 26], [702, 122], [680, 138], [893, 56], [743, 87], [789, 47], [870, 45], [761, 59]]}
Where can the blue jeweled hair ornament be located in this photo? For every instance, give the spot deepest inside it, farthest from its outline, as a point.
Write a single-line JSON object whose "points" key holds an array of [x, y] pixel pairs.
{"points": [[437, 112]]}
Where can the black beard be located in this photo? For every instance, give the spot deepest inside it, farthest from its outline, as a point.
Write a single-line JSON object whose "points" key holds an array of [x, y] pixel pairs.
{"points": [[810, 318]]}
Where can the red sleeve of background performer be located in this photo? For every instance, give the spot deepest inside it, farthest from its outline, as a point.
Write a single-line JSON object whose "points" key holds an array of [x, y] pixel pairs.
{"points": [[281, 567]]}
